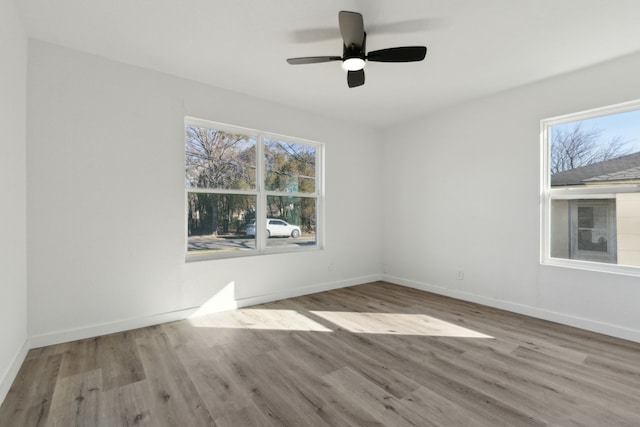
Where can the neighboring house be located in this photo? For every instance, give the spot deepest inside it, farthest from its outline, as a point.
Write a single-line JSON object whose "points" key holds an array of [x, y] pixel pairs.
{"points": [[625, 169], [604, 228]]}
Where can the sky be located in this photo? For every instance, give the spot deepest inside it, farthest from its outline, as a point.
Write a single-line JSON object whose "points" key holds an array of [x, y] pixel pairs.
{"points": [[625, 125]]}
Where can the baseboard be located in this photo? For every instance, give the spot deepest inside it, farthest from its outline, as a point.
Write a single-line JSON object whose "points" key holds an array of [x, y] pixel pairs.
{"points": [[91, 331], [11, 372], [306, 290], [565, 319]]}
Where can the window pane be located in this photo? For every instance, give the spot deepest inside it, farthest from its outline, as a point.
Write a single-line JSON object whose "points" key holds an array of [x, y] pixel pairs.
{"points": [[596, 151], [220, 222], [592, 240], [219, 160], [291, 221], [584, 229], [585, 217], [289, 167]]}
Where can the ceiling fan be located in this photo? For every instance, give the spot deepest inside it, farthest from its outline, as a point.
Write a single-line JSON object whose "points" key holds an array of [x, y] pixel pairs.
{"points": [[354, 52]]}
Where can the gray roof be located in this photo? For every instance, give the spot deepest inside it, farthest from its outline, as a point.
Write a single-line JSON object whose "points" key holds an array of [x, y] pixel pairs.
{"points": [[625, 168]]}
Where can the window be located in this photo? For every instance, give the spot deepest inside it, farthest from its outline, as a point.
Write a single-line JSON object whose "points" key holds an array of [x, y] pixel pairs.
{"points": [[249, 192], [591, 189]]}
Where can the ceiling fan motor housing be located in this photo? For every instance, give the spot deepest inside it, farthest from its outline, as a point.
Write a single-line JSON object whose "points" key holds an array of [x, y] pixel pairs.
{"points": [[353, 56], [354, 51]]}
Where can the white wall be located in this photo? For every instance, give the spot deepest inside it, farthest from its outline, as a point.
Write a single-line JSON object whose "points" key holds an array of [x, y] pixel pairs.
{"points": [[471, 201], [13, 243], [106, 199]]}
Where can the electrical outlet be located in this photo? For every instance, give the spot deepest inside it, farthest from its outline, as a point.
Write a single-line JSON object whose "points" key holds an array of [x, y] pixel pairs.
{"points": [[330, 267], [460, 274]]}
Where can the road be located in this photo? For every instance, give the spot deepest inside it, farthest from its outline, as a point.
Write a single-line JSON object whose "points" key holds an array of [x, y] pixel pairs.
{"points": [[213, 243]]}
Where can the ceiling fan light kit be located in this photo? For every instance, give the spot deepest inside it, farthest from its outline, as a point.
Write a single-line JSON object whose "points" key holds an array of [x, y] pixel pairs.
{"points": [[353, 64], [354, 55]]}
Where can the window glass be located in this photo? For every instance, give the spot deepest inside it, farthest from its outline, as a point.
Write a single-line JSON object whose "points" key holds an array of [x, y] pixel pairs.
{"points": [[592, 231], [290, 167], [291, 221], [219, 159], [220, 222]]}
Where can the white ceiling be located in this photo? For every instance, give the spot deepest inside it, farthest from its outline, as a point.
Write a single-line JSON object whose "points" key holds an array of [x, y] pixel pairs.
{"points": [[475, 47]]}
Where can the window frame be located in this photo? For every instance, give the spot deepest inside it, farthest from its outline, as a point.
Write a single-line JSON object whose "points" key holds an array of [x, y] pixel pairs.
{"points": [[261, 194], [549, 194]]}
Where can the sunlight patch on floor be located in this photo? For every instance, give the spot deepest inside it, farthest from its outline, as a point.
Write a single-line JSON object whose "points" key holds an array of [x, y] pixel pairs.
{"points": [[277, 320], [397, 324]]}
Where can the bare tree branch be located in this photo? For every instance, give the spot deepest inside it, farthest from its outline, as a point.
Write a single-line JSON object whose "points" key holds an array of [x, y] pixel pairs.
{"points": [[576, 147]]}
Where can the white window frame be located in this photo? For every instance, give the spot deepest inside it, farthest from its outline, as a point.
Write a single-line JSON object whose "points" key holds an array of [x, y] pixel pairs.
{"points": [[261, 194], [548, 194]]}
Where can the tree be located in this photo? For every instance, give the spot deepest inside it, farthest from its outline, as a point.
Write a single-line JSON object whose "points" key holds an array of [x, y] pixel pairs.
{"points": [[217, 160], [221, 160], [291, 168], [576, 147]]}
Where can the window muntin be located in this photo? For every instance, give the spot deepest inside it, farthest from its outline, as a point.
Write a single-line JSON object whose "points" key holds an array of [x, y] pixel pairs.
{"points": [[238, 181], [591, 189]]}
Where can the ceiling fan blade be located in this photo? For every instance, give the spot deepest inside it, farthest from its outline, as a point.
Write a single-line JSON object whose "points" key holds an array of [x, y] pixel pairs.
{"points": [[313, 59], [355, 78], [351, 28], [398, 54]]}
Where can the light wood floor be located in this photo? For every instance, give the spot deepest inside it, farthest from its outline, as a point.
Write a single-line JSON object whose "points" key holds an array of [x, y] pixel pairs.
{"points": [[370, 355]]}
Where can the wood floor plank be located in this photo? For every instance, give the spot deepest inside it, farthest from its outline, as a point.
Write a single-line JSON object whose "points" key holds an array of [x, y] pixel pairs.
{"points": [[29, 399], [247, 416], [275, 392], [76, 401], [173, 399], [309, 381], [221, 389], [126, 406], [432, 371], [370, 355], [357, 352], [119, 361], [370, 403], [441, 411], [514, 384], [79, 356]]}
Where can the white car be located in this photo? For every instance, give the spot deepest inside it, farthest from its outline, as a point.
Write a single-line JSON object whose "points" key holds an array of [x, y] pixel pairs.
{"points": [[275, 228]]}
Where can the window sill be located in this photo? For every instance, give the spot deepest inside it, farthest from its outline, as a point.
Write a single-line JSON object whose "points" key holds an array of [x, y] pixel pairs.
{"points": [[625, 270], [197, 257]]}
